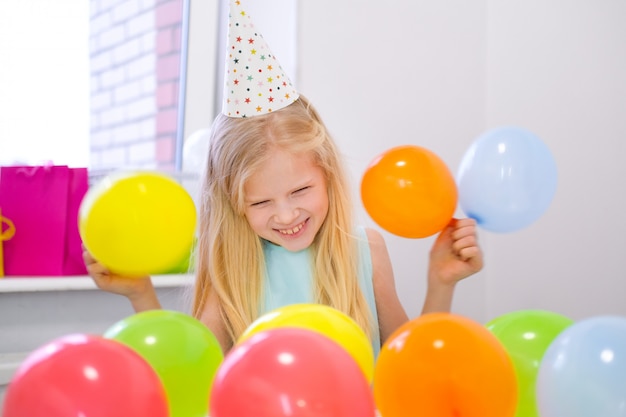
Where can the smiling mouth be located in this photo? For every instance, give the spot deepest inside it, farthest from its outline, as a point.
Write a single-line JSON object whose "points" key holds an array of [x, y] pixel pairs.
{"points": [[293, 230]]}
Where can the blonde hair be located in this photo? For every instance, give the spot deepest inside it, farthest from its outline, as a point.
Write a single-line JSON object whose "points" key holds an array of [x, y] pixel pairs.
{"points": [[230, 255]]}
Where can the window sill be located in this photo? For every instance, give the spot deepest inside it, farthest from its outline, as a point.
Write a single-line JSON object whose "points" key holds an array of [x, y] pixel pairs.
{"points": [[39, 284]]}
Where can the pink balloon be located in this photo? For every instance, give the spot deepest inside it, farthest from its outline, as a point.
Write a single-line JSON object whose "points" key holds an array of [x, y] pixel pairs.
{"points": [[87, 376], [290, 372]]}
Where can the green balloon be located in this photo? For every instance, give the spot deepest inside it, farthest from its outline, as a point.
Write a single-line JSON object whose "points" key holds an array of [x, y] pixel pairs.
{"points": [[182, 351], [526, 335]]}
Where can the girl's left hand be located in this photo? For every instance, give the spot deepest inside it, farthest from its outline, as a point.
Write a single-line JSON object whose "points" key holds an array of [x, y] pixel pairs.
{"points": [[455, 255]]}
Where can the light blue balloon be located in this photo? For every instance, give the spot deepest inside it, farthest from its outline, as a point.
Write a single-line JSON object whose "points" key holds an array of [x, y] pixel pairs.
{"points": [[583, 372], [506, 179]]}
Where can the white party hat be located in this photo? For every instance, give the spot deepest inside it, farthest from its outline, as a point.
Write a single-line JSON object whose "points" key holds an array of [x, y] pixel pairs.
{"points": [[255, 83]]}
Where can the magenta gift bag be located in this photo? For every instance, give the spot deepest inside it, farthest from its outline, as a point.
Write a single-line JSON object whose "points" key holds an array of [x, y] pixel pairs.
{"points": [[43, 202]]}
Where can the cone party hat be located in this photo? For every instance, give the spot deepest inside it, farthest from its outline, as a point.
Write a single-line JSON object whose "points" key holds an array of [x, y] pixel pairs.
{"points": [[255, 83]]}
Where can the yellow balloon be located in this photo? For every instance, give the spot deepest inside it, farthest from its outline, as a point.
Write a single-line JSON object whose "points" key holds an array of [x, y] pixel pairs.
{"points": [[138, 223], [323, 319]]}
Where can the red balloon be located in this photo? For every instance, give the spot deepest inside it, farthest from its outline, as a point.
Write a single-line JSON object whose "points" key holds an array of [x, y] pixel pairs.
{"points": [[409, 191], [292, 372], [87, 376], [444, 365]]}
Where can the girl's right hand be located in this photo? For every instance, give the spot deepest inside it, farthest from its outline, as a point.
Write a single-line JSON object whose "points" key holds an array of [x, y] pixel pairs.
{"points": [[139, 290]]}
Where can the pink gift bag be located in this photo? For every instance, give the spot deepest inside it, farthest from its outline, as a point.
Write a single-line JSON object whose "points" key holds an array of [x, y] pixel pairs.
{"points": [[43, 203]]}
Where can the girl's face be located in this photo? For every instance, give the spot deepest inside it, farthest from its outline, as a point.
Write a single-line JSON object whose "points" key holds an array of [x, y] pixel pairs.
{"points": [[286, 200]]}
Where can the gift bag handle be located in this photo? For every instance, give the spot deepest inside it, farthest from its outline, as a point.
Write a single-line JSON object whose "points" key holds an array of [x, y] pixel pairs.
{"points": [[7, 233], [30, 171]]}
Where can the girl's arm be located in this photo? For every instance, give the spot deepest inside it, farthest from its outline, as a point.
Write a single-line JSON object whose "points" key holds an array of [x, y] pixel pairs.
{"points": [[391, 314], [212, 318], [455, 255]]}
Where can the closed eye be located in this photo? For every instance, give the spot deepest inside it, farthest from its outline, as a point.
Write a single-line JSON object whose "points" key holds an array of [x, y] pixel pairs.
{"points": [[259, 203], [302, 189]]}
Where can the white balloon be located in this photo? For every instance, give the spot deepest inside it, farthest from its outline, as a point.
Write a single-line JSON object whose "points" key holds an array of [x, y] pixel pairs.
{"points": [[195, 151]]}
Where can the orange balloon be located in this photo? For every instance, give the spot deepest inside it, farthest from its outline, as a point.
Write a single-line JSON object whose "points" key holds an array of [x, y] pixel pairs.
{"points": [[409, 191], [444, 365]]}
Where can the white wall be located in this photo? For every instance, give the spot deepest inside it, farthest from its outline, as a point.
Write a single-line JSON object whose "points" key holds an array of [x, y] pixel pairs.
{"points": [[559, 68], [437, 74]]}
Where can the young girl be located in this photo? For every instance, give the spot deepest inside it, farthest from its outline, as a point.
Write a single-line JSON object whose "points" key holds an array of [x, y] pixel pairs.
{"points": [[276, 224], [276, 228]]}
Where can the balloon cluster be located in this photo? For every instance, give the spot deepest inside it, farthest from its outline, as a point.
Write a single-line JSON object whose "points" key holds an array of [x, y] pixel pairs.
{"points": [[506, 181], [527, 363], [300, 360], [323, 320], [153, 364], [565, 367], [290, 371], [308, 360]]}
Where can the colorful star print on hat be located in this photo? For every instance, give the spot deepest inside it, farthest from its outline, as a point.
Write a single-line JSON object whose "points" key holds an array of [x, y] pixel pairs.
{"points": [[255, 83]]}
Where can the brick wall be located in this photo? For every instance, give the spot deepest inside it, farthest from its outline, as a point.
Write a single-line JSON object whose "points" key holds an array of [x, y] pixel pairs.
{"points": [[135, 57]]}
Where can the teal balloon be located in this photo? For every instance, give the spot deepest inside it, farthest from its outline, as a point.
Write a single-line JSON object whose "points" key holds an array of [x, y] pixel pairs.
{"points": [[184, 353], [526, 335], [583, 373], [507, 179]]}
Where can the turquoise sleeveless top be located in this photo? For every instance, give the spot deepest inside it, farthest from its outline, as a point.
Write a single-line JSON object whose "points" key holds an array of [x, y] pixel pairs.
{"points": [[288, 278]]}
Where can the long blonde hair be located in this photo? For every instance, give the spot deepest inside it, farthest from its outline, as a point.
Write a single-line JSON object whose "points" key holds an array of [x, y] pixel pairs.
{"points": [[230, 255]]}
